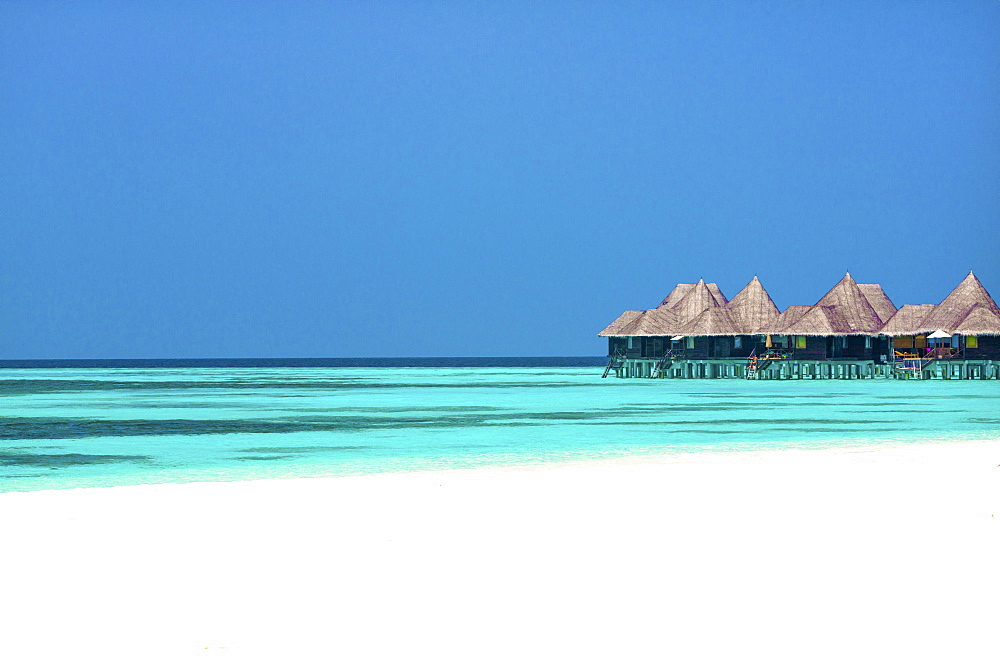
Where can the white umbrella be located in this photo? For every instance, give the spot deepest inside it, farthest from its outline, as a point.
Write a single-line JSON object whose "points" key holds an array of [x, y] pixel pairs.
{"points": [[939, 335]]}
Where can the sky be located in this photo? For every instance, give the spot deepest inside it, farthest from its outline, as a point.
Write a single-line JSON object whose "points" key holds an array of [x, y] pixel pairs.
{"points": [[391, 179]]}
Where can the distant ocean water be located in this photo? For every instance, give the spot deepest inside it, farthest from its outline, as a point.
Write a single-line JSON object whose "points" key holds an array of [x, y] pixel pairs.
{"points": [[299, 362], [123, 422]]}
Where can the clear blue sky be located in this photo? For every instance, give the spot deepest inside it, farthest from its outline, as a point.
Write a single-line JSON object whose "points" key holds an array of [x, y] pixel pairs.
{"points": [[191, 179]]}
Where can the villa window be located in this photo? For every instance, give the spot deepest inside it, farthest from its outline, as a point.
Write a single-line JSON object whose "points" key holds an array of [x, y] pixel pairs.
{"points": [[800, 342], [737, 342], [868, 342], [972, 342], [689, 342]]}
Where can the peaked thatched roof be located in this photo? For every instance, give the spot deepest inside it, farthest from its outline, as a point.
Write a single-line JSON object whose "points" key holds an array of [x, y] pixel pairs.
{"points": [[652, 322], [684, 303], [619, 322], [700, 309], [711, 322], [820, 321], [752, 309], [906, 321], [853, 308], [696, 300], [949, 314], [784, 322], [717, 293], [676, 295], [880, 301], [681, 289], [848, 308], [980, 320]]}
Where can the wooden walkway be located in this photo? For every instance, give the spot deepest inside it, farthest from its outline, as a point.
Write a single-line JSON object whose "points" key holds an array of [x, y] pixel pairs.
{"points": [[791, 369]]}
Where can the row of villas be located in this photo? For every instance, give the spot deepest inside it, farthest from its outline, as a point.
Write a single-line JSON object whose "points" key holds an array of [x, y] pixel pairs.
{"points": [[854, 331]]}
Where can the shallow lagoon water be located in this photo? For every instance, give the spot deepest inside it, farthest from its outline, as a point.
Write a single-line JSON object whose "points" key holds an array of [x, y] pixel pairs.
{"points": [[86, 427]]}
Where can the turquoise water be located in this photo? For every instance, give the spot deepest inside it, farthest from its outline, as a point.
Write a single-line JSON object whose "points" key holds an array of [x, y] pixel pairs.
{"points": [[75, 427]]}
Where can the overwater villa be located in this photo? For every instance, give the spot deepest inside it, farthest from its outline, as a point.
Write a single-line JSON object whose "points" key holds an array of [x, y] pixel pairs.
{"points": [[853, 331]]}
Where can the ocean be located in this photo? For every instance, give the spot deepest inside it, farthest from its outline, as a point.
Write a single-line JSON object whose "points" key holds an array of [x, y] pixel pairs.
{"points": [[95, 423]]}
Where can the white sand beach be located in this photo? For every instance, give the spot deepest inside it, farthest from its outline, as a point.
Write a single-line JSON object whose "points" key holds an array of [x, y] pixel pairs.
{"points": [[882, 556]]}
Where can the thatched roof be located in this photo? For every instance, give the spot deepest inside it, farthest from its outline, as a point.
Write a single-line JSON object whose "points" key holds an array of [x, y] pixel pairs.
{"points": [[948, 314], [696, 300], [676, 295], [906, 321], [784, 322], [717, 293], [752, 309], [853, 308], [980, 320], [700, 309], [819, 321], [681, 289], [711, 322], [880, 301], [619, 322], [685, 302], [653, 322]]}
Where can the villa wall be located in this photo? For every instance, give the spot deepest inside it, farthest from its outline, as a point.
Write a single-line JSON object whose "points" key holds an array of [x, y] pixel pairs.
{"points": [[988, 348]]}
